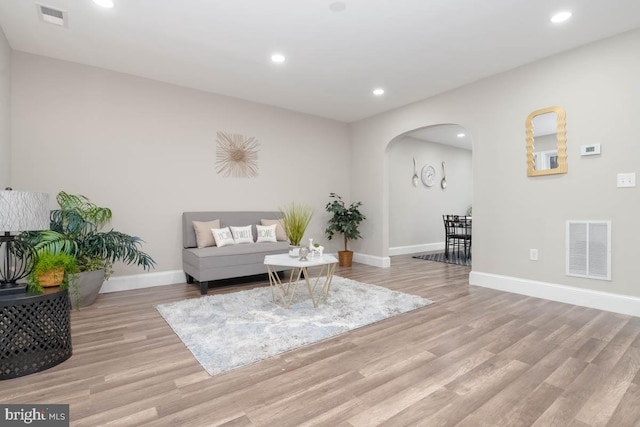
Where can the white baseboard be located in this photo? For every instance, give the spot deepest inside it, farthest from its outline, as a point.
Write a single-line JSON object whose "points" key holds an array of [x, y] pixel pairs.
{"points": [[405, 250], [616, 303], [375, 261], [139, 281]]}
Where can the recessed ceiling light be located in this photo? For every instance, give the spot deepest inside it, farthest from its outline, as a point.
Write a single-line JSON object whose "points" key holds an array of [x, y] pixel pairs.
{"points": [[461, 135], [105, 3], [378, 91], [560, 17], [278, 58], [337, 6]]}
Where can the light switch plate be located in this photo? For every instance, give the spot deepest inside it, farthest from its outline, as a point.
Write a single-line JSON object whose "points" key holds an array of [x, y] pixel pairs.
{"points": [[626, 180]]}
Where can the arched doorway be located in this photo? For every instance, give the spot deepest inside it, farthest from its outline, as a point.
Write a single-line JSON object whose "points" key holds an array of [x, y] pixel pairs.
{"points": [[415, 210]]}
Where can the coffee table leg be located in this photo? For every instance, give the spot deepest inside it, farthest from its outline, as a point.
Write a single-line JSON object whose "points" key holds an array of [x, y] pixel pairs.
{"points": [[324, 290], [286, 291], [274, 282], [331, 268], [312, 288]]}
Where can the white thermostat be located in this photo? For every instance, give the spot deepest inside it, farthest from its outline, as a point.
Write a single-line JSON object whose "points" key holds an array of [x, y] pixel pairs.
{"points": [[589, 150]]}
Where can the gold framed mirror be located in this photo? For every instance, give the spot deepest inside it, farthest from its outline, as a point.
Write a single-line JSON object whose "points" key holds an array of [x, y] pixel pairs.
{"points": [[546, 142]]}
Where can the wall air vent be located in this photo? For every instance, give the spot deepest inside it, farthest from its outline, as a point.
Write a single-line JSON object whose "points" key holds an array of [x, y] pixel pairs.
{"points": [[589, 249], [52, 16]]}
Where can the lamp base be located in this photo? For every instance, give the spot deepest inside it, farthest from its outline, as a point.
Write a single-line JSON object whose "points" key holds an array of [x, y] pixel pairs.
{"points": [[12, 288], [18, 262]]}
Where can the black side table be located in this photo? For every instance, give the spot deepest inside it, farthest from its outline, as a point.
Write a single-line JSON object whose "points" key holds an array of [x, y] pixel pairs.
{"points": [[35, 332]]}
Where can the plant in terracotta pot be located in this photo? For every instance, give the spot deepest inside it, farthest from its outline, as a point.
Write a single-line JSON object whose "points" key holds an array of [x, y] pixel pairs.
{"points": [[345, 221], [295, 220], [77, 230], [52, 269]]}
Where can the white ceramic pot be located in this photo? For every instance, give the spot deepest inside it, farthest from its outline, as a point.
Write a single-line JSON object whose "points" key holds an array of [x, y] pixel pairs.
{"points": [[294, 251]]}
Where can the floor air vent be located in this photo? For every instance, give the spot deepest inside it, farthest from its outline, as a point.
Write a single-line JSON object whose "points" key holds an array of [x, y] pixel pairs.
{"points": [[589, 249]]}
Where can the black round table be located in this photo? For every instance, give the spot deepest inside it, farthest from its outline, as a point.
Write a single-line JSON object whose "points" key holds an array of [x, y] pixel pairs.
{"points": [[35, 332]]}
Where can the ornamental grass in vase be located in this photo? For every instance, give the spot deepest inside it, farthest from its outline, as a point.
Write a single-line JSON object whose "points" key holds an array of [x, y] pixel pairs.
{"points": [[295, 220]]}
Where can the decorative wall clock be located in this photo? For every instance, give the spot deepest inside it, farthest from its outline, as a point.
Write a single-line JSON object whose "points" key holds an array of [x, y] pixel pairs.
{"points": [[428, 175], [236, 155]]}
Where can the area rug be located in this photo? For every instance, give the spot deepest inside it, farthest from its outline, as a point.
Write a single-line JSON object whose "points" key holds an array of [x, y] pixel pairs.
{"points": [[227, 331], [439, 257]]}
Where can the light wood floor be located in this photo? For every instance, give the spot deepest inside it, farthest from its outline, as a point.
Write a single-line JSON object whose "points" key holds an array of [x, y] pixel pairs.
{"points": [[477, 357]]}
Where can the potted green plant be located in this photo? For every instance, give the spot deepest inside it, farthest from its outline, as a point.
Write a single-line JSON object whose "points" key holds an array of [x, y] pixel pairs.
{"points": [[295, 220], [345, 221], [52, 269], [77, 230]]}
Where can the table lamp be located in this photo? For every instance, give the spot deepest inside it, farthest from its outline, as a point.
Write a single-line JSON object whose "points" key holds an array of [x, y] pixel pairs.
{"points": [[19, 211]]}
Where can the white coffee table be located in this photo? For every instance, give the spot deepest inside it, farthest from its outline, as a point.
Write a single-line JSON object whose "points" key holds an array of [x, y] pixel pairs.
{"points": [[300, 269]]}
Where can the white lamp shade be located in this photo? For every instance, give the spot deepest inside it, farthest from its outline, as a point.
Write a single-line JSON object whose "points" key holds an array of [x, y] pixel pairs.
{"points": [[23, 211]]}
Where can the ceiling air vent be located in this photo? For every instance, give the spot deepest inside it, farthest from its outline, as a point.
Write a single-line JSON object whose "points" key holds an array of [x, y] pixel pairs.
{"points": [[52, 16]]}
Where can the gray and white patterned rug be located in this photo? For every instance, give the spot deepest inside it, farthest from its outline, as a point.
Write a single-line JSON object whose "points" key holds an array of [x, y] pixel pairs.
{"points": [[227, 331]]}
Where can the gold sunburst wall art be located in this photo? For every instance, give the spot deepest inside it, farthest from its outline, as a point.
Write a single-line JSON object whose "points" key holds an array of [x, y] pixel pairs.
{"points": [[236, 155]]}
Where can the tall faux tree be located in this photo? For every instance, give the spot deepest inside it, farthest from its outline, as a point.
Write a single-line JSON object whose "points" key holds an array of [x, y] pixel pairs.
{"points": [[345, 220]]}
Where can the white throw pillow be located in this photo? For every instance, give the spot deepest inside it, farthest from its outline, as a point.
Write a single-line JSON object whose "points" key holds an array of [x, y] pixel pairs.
{"points": [[204, 238], [242, 234], [222, 236], [267, 233], [280, 234]]}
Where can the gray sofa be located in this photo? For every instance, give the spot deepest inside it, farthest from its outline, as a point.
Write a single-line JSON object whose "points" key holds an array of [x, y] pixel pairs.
{"points": [[207, 264]]}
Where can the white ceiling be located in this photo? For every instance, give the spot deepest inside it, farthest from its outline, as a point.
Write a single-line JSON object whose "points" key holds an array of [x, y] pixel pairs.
{"points": [[446, 134], [412, 48]]}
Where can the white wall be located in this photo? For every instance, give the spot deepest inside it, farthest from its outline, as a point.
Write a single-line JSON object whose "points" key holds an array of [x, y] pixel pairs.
{"points": [[415, 213], [5, 112], [598, 87], [147, 150]]}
